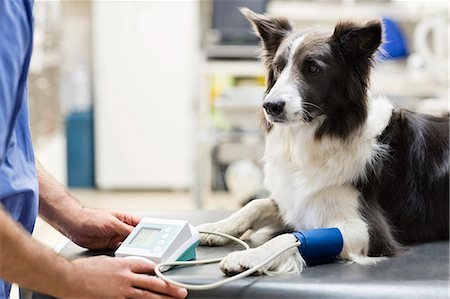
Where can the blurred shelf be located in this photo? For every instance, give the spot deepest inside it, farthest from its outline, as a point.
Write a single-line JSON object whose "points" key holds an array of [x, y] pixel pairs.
{"points": [[392, 78], [232, 51], [332, 11], [238, 68]]}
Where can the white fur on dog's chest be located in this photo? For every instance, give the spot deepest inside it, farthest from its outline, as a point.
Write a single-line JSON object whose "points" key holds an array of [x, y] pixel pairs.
{"points": [[304, 190], [312, 181]]}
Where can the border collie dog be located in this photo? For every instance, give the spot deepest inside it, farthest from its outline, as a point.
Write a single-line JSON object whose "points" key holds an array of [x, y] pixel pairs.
{"points": [[335, 157]]}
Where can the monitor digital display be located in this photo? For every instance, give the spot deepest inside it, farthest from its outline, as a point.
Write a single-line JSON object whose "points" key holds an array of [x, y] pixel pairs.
{"points": [[145, 237]]}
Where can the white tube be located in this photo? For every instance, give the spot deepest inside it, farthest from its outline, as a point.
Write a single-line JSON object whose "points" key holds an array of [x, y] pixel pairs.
{"points": [[203, 287]]}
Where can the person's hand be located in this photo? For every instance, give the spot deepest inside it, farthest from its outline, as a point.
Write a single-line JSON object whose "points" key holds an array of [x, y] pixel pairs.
{"points": [[98, 229], [111, 278]]}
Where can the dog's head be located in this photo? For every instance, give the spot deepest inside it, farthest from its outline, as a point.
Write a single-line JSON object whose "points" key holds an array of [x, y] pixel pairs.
{"points": [[315, 75]]}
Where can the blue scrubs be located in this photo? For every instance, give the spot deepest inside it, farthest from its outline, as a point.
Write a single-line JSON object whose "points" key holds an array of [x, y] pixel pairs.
{"points": [[18, 180]]}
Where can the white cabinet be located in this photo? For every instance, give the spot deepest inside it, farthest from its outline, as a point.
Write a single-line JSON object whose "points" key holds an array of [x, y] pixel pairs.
{"points": [[145, 57]]}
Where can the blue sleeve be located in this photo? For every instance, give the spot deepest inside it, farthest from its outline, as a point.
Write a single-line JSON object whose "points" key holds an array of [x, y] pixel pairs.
{"points": [[15, 51], [320, 246]]}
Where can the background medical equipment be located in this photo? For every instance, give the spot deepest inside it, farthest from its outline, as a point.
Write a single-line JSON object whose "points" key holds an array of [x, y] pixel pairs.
{"points": [[317, 246]]}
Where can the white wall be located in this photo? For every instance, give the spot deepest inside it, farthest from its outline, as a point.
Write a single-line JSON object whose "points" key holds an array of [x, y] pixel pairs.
{"points": [[145, 70]]}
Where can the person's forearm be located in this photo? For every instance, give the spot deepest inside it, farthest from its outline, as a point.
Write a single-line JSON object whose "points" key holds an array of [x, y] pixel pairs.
{"points": [[31, 265], [56, 205]]}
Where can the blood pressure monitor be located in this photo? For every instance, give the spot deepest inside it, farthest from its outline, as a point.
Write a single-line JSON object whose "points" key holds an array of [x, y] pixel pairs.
{"points": [[161, 240]]}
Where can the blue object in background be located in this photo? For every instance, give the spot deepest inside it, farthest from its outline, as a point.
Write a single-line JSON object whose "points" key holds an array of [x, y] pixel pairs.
{"points": [[394, 46], [320, 246], [80, 149]]}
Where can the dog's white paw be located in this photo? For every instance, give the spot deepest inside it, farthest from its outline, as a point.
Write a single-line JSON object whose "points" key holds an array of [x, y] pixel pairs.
{"points": [[365, 260], [222, 226], [239, 261]]}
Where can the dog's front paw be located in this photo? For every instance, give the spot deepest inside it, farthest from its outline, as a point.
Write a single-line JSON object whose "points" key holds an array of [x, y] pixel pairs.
{"points": [[214, 240], [239, 261], [364, 260]]}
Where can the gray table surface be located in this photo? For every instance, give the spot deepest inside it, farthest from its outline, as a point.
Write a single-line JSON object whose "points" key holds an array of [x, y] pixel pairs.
{"points": [[422, 272]]}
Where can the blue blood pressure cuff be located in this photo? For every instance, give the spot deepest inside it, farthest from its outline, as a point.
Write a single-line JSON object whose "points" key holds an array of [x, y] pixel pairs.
{"points": [[320, 246]]}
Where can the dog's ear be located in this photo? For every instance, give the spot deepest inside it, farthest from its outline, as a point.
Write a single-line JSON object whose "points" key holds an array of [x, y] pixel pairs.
{"points": [[355, 40], [271, 30]]}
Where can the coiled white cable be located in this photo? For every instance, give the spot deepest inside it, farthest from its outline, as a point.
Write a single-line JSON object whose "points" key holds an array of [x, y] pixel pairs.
{"points": [[203, 287]]}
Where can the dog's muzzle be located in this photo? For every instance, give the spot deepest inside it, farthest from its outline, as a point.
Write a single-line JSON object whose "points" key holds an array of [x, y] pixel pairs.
{"points": [[275, 109]]}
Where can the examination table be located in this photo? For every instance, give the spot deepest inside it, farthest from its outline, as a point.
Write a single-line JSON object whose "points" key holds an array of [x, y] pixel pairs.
{"points": [[421, 272]]}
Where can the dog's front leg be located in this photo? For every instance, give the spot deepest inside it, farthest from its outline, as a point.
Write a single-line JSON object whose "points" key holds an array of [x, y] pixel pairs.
{"points": [[356, 242], [256, 214], [289, 262]]}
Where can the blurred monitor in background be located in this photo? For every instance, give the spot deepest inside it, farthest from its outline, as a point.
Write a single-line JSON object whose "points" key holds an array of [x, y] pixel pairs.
{"points": [[230, 25], [231, 33]]}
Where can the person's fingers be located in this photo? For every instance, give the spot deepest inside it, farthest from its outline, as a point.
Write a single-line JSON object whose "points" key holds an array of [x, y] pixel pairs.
{"points": [[127, 218], [115, 242], [154, 284], [121, 231], [143, 294], [122, 228], [132, 219], [140, 265]]}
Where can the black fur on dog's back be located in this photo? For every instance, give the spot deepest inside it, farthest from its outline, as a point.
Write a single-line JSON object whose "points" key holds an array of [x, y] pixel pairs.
{"points": [[407, 193]]}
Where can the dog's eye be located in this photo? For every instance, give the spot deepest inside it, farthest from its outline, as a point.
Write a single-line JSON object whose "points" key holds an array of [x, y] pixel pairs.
{"points": [[313, 68]]}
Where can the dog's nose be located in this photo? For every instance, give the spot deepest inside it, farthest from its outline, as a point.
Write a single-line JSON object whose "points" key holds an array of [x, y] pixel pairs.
{"points": [[274, 108]]}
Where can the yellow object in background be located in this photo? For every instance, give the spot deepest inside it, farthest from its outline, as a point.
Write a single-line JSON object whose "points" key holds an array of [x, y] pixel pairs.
{"points": [[218, 85], [228, 87]]}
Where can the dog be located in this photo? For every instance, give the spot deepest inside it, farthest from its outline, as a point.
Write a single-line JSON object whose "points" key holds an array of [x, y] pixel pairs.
{"points": [[335, 157]]}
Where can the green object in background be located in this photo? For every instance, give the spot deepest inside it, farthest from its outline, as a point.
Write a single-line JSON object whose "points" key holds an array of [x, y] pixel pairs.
{"points": [[80, 149]]}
